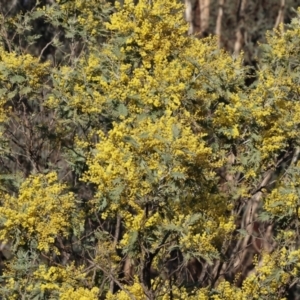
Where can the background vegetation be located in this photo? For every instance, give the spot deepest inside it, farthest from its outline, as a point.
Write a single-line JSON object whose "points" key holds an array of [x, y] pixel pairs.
{"points": [[141, 162]]}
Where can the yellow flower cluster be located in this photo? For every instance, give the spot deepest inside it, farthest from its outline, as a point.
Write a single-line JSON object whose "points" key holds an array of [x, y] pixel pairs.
{"points": [[135, 159], [267, 279], [149, 25], [80, 294], [25, 66], [25, 70], [85, 13], [276, 206], [42, 211], [58, 282], [134, 291], [155, 67], [272, 106]]}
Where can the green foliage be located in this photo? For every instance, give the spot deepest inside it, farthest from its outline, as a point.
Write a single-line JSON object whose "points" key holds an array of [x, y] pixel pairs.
{"points": [[136, 163]]}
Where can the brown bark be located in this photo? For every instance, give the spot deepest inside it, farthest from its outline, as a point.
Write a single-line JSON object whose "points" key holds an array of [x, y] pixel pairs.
{"points": [[116, 239], [280, 16], [219, 21], [240, 33], [189, 15], [204, 12]]}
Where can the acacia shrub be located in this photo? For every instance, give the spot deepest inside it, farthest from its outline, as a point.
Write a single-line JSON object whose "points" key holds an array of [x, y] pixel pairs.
{"points": [[148, 152]]}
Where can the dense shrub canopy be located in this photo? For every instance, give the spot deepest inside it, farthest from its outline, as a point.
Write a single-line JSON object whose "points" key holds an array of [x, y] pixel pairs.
{"points": [[136, 163]]}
